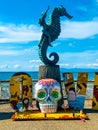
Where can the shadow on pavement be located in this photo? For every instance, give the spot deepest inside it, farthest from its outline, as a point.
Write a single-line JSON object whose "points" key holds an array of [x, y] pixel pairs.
{"points": [[5, 115]]}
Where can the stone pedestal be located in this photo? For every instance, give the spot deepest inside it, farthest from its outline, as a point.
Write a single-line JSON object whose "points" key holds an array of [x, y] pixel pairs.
{"points": [[47, 71]]}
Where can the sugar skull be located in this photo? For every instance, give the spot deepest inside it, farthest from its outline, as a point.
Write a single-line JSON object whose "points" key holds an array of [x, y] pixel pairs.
{"points": [[47, 92]]}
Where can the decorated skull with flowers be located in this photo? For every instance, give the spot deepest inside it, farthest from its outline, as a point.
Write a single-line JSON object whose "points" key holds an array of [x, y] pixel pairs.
{"points": [[47, 93]]}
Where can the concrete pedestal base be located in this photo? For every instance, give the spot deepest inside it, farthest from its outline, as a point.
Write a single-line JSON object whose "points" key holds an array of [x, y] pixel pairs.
{"points": [[46, 71]]}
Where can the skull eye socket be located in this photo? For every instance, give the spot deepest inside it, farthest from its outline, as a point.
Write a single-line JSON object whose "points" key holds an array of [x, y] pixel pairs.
{"points": [[41, 94], [55, 94]]}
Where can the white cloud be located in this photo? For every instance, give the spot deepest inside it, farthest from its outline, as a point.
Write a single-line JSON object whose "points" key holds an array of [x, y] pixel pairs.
{"points": [[17, 66], [5, 66], [34, 61], [71, 55], [79, 30], [79, 59], [64, 65], [95, 64], [97, 60], [9, 52], [56, 44], [69, 29], [20, 33], [86, 59], [31, 49]]}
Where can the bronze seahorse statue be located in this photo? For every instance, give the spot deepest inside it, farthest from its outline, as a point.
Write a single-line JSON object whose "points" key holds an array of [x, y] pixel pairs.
{"points": [[50, 33]]}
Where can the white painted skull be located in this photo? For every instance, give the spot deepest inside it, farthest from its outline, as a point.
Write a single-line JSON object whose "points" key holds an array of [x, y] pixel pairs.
{"points": [[47, 92]]}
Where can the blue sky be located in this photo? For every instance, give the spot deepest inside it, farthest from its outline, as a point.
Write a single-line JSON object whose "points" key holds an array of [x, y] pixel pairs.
{"points": [[77, 45]]}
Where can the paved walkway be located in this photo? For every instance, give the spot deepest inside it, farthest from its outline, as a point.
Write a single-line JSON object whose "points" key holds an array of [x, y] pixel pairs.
{"points": [[7, 124]]}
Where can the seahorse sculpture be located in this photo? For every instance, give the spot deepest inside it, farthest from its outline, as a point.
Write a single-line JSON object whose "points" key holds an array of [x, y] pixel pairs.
{"points": [[50, 33]]}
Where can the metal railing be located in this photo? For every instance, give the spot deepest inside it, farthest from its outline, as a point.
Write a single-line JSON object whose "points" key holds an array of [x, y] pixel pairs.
{"points": [[5, 89]]}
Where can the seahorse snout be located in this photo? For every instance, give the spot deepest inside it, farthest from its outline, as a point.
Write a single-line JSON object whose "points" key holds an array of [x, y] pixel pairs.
{"points": [[68, 16]]}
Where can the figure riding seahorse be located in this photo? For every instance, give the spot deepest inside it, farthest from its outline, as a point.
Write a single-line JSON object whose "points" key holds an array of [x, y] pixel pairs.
{"points": [[51, 31]]}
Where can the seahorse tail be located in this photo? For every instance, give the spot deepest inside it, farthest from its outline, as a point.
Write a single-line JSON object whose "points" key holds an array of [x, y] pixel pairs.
{"points": [[56, 58], [46, 60], [43, 56]]}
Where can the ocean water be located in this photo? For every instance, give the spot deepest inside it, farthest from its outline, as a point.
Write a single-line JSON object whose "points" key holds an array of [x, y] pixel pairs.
{"points": [[34, 75], [8, 75]]}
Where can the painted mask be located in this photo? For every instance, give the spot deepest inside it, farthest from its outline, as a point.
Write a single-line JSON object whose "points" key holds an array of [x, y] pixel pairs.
{"points": [[47, 92]]}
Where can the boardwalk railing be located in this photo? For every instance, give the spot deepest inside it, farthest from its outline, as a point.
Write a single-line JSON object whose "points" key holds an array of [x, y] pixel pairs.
{"points": [[5, 89]]}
